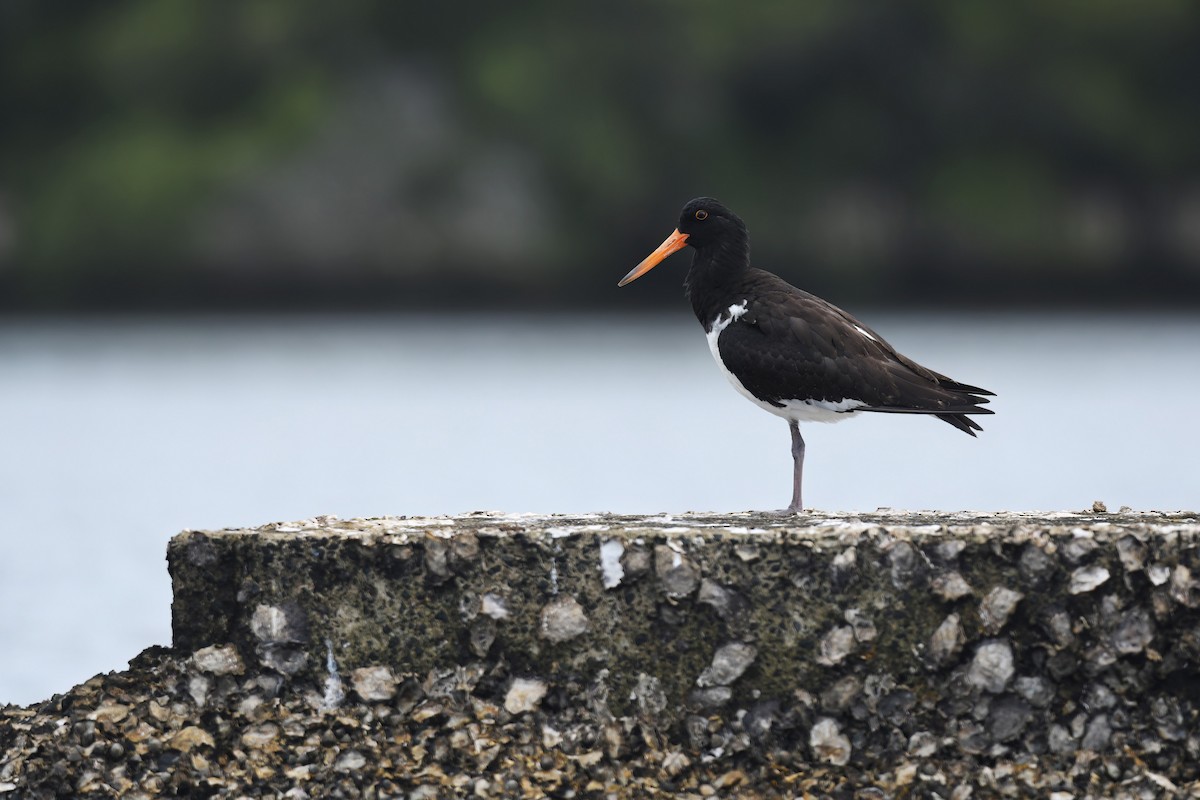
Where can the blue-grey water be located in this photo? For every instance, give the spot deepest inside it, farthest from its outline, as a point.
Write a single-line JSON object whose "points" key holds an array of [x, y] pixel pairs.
{"points": [[116, 434]]}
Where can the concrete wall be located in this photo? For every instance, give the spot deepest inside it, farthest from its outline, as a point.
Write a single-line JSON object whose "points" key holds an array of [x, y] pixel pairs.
{"points": [[955, 652]]}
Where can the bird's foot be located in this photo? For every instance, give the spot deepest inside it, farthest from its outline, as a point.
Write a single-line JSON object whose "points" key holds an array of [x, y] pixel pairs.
{"points": [[784, 512]]}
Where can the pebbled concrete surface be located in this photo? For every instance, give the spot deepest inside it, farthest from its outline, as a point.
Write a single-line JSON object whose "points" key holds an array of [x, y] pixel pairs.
{"points": [[924, 654]]}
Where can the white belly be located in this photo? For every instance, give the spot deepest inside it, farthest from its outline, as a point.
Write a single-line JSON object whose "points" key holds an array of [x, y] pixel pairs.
{"points": [[793, 410]]}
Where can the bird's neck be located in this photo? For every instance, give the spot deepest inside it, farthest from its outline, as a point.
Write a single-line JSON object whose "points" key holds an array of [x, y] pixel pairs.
{"points": [[715, 273]]}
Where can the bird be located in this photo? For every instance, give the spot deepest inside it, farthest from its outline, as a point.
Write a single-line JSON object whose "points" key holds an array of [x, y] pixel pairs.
{"points": [[790, 352]]}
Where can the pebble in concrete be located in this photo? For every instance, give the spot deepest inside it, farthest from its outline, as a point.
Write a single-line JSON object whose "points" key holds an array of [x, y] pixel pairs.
{"points": [[922, 744], [494, 606], [677, 573], [1036, 565], [836, 645], [1008, 718], [1077, 549], [563, 619], [219, 660], [524, 695], [482, 636], [1183, 587], [198, 688], [647, 692], [1096, 735], [992, 667], [611, 570], [373, 684], [1134, 632], [350, 761], [1132, 553], [1057, 624], [1086, 579], [437, 558], [711, 697], [635, 562], [1036, 690], [838, 696], [279, 631], [946, 641], [715, 595], [259, 736], [997, 606], [951, 586], [906, 564], [278, 624], [828, 744], [843, 566], [864, 627], [728, 664]]}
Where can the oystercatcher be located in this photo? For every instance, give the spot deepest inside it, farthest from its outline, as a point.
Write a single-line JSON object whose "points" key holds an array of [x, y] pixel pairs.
{"points": [[790, 352]]}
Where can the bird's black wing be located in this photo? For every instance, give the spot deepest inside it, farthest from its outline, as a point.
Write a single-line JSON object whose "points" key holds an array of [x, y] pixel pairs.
{"points": [[791, 345]]}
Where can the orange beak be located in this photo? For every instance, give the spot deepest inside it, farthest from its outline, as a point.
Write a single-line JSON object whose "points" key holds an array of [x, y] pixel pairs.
{"points": [[674, 243]]}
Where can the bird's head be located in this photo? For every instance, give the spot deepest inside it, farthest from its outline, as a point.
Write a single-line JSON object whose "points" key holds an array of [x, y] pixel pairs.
{"points": [[703, 223]]}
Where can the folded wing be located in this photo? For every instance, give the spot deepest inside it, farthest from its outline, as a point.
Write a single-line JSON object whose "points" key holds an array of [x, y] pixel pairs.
{"points": [[791, 345]]}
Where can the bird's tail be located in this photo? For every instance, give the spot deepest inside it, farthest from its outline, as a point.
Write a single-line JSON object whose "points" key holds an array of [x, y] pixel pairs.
{"points": [[963, 422], [948, 400], [972, 397]]}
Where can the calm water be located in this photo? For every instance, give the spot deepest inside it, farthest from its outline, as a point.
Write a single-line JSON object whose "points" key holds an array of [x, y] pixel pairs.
{"points": [[114, 436]]}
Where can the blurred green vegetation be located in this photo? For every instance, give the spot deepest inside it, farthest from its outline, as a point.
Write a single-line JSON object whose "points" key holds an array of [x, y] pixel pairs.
{"points": [[297, 153]]}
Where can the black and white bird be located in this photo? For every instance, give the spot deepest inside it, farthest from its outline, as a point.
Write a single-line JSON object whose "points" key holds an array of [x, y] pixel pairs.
{"points": [[790, 352]]}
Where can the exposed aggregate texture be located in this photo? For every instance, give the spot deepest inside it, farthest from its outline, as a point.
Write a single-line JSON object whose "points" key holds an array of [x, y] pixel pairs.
{"points": [[880, 655]]}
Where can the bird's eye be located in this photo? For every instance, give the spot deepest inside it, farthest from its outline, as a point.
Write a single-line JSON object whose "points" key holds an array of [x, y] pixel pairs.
{"points": [[702, 214]]}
